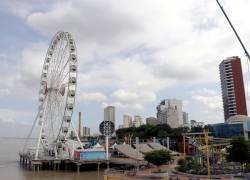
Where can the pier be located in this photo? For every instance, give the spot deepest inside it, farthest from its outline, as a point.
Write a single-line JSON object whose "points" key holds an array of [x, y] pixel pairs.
{"points": [[49, 163]]}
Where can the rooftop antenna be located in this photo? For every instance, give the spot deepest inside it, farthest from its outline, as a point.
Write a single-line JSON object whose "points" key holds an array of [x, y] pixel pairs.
{"points": [[235, 32]]}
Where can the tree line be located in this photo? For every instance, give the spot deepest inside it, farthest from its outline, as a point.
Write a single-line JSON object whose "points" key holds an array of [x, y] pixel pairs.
{"points": [[159, 131]]}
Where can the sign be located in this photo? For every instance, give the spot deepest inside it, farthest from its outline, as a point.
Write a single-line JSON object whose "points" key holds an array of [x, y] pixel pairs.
{"points": [[107, 128]]}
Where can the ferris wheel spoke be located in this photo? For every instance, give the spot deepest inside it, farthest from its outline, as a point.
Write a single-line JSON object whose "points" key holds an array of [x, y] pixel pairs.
{"points": [[52, 63], [53, 60], [45, 117], [62, 70], [60, 81], [58, 116], [52, 110], [60, 104], [56, 59], [51, 119], [58, 69]]}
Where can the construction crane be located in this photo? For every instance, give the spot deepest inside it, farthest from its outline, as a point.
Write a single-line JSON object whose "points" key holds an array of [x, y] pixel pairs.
{"points": [[234, 30]]}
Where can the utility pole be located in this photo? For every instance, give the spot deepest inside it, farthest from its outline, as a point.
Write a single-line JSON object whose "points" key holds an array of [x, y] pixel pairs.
{"points": [[208, 155], [79, 124], [107, 147], [137, 151], [184, 145]]}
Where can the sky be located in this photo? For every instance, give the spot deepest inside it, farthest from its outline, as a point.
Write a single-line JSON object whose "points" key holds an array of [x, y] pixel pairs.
{"points": [[131, 54]]}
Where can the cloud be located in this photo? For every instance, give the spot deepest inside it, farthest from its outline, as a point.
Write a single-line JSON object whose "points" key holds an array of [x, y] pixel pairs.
{"points": [[21, 78], [96, 34], [15, 116], [135, 107], [155, 48], [91, 97], [208, 98], [211, 104], [131, 51], [4, 92], [25, 7], [124, 96]]}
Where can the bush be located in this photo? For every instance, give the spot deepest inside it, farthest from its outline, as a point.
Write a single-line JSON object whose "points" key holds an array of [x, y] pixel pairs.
{"points": [[182, 163], [238, 151], [189, 165], [158, 157]]}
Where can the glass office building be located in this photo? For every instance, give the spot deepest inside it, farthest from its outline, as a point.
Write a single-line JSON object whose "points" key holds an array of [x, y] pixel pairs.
{"points": [[225, 130]]}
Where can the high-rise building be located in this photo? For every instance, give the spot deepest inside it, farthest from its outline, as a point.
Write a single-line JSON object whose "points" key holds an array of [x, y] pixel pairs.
{"points": [[127, 121], [109, 114], [185, 118], [72, 134], [152, 121], [86, 131], [170, 111], [137, 121], [232, 87]]}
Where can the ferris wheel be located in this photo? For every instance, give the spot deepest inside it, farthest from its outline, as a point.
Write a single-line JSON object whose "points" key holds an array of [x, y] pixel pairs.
{"points": [[57, 94]]}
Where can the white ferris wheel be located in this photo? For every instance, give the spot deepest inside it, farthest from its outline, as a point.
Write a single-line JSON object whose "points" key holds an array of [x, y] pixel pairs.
{"points": [[56, 94]]}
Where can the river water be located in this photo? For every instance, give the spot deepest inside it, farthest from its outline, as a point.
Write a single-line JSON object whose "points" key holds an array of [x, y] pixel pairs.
{"points": [[10, 169]]}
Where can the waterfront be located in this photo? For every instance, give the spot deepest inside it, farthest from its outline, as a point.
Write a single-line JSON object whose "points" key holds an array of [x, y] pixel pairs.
{"points": [[10, 169]]}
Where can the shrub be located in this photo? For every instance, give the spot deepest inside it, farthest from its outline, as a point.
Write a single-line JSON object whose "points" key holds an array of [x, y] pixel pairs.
{"points": [[158, 157]]}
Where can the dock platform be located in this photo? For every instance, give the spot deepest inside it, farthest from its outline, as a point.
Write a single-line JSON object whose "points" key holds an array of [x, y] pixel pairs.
{"points": [[49, 163]]}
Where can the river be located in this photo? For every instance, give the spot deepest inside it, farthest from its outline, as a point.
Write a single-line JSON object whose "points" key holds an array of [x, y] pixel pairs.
{"points": [[10, 169]]}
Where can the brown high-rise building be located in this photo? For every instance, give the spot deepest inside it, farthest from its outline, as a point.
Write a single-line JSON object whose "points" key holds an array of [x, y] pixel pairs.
{"points": [[232, 86]]}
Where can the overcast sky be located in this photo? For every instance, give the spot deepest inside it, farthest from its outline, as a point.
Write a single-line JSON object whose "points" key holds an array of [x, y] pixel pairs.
{"points": [[132, 54]]}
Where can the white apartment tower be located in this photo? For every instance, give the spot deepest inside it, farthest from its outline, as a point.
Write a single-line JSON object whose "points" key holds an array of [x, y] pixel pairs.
{"points": [[137, 121], [185, 118], [127, 121], [170, 111], [109, 114]]}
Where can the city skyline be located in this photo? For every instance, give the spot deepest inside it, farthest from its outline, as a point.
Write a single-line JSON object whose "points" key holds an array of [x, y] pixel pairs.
{"points": [[129, 59]]}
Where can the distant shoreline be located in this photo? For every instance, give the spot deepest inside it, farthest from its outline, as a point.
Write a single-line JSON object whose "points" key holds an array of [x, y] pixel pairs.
{"points": [[16, 138]]}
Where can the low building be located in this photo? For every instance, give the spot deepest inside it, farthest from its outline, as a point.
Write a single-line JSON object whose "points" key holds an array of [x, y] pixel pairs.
{"points": [[120, 126], [225, 130], [90, 154], [237, 125], [152, 121]]}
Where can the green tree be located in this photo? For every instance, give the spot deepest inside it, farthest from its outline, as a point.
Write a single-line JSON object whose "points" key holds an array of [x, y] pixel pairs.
{"points": [[158, 157], [196, 129], [238, 151], [189, 165], [209, 128]]}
